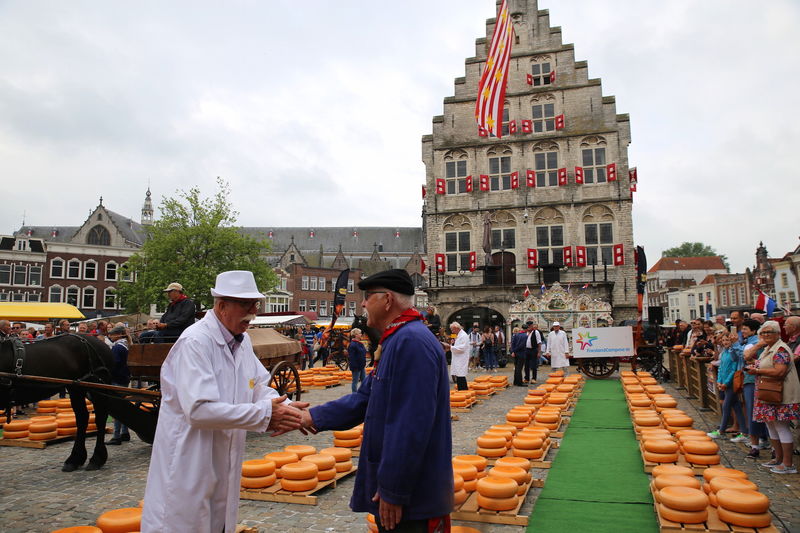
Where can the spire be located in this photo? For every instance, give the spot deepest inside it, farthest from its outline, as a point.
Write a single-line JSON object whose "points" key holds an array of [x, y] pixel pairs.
{"points": [[147, 209]]}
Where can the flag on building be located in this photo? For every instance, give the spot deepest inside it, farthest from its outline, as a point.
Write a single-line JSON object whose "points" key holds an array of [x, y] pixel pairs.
{"points": [[492, 87], [765, 303], [422, 266], [527, 292]]}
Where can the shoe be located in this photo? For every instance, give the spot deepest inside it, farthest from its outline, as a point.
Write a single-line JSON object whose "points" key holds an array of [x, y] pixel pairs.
{"points": [[784, 470], [764, 445], [752, 454], [114, 441], [770, 464], [714, 434], [125, 437], [740, 438]]}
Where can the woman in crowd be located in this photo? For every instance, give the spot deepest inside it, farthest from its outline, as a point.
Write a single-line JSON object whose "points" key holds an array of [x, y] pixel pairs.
{"points": [[729, 363], [489, 359], [755, 430], [775, 363]]}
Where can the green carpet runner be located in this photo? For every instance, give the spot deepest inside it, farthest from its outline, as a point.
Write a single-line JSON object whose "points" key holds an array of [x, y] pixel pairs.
{"points": [[597, 482]]}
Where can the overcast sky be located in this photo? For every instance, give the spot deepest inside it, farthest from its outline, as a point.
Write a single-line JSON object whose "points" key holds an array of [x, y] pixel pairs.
{"points": [[314, 111]]}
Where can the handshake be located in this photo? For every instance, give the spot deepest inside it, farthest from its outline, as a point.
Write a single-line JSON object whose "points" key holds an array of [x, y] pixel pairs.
{"points": [[289, 417]]}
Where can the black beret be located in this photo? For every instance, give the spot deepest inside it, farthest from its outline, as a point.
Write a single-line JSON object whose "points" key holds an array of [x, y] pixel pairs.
{"points": [[396, 280]]}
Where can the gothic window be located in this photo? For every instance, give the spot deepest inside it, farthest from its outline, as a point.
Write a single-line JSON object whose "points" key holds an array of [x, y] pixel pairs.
{"points": [[549, 224], [598, 235], [593, 159], [503, 239], [499, 168], [455, 171], [546, 166], [541, 71], [543, 113], [99, 235], [457, 248]]}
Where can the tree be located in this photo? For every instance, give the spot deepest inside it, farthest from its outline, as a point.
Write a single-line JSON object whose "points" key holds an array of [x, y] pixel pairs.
{"points": [[194, 240], [695, 249]]}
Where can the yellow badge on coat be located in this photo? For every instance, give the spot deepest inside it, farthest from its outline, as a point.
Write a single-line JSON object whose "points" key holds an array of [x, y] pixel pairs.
{"points": [[252, 382]]}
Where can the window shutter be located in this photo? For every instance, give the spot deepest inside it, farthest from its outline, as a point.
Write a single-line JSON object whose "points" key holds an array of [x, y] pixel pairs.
{"points": [[440, 262], [560, 121], [484, 182], [562, 176], [440, 186], [527, 126], [611, 172], [529, 79], [473, 261], [553, 76], [515, 180], [580, 256], [424, 191], [512, 127], [530, 178], [619, 255], [533, 257], [469, 183], [482, 132], [568, 256], [579, 175]]}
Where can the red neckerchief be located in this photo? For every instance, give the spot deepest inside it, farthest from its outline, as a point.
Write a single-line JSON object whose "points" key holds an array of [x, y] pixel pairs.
{"points": [[409, 315], [181, 298]]}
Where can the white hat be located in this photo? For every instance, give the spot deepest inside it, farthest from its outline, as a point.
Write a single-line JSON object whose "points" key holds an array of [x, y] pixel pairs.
{"points": [[556, 324], [174, 287], [237, 284]]}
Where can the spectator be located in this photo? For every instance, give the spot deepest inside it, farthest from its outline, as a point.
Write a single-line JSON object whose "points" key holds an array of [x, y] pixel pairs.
{"points": [[499, 341], [460, 353], [729, 363], [179, 314], [434, 322], [558, 348], [533, 350], [475, 346], [758, 317], [747, 343], [47, 332], [63, 326], [518, 353], [487, 342], [357, 358], [83, 329], [775, 363], [150, 332], [101, 331], [5, 329], [92, 327], [792, 327], [120, 376]]}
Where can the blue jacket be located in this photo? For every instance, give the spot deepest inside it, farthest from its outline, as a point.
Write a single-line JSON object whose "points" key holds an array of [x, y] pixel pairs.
{"points": [[357, 354], [407, 446], [121, 374], [738, 348], [518, 342], [729, 362]]}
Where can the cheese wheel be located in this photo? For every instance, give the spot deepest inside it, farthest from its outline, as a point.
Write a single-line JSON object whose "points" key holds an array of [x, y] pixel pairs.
{"points": [[648, 421], [497, 487], [42, 418], [640, 402], [495, 504], [491, 452], [554, 380], [460, 496], [507, 435], [301, 450], [299, 485], [344, 466], [17, 425], [527, 454], [79, 529], [340, 454], [719, 483], [299, 470], [666, 402], [43, 436], [701, 447], [743, 501], [557, 400], [348, 434], [67, 431], [676, 480], [47, 403], [258, 468], [712, 498], [654, 389], [475, 460], [470, 485], [325, 474], [458, 482], [634, 388], [701, 438], [682, 517], [45, 409], [43, 427], [66, 422], [679, 421], [466, 471], [281, 458], [655, 433], [491, 441], [322, 460], [661, 446], [519, 462], [520, 475], [672, 470], [754, 520], [347, 443], [696, 459], [120, 520], [533, 400], [537, 392], [259, 482], [15, 434], [523, 442], [653, 457], [547, 418], [516, 416], [683, 498], [714, 471]]}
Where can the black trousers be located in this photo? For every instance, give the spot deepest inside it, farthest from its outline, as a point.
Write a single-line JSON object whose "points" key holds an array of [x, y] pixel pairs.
{"points": [[461, 383], [531, 363], [519, 363]]}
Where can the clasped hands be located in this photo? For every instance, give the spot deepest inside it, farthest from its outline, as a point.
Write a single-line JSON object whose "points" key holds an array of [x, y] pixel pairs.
{"points": [[289, 417]]}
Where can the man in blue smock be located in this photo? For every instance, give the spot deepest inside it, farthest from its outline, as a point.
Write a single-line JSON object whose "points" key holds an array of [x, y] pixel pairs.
{"points": [[405, 474]]}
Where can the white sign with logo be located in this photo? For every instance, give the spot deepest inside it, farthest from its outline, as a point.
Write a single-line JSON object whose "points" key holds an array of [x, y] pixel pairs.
{"points": [[602, 342]]}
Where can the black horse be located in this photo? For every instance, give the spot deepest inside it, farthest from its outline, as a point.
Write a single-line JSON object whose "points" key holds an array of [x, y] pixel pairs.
{"points": [[72, 357]]}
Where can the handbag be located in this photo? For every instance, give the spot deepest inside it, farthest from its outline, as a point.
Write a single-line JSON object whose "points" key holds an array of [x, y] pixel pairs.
{"points": [[769, 390], [738, 381]]}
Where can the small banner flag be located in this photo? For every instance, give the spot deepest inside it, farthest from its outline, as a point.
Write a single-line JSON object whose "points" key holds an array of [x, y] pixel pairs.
{"points": [[492, 87], [586, 286], [633, 175], [765, 303]]}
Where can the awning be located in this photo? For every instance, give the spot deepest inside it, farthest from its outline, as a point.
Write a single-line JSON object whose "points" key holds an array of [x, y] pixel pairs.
{"points": [[281, 320], [343, 322], [269, 343], [36, 311]]}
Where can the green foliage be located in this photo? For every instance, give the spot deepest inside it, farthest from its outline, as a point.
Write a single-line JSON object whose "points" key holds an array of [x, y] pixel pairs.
{"points": [[695, 249], [194, 240]]}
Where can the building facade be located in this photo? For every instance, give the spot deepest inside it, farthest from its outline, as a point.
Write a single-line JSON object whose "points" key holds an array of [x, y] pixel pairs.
{"points": [[548, 201], [672, 274]]}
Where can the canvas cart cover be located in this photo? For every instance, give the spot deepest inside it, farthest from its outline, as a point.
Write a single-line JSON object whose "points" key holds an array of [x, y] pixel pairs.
{"points": [[269, 343]]}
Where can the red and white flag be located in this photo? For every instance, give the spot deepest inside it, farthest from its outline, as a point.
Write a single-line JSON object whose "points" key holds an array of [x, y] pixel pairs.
{"points": [[527, 292], [424, 191], [492, 87]]}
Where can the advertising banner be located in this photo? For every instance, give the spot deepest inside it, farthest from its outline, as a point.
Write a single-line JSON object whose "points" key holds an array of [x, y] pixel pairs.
{"points": [[602, 342]]}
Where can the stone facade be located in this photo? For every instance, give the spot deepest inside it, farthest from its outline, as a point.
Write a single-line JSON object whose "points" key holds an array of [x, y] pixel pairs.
{"points": [[548, 217]]}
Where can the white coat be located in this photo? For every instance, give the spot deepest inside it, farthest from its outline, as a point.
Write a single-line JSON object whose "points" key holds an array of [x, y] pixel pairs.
{"points": [[558, 348], [459, 354], [209, 398]]}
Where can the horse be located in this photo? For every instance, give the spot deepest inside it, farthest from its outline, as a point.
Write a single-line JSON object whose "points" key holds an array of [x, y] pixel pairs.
{"points": [[71, 357]]}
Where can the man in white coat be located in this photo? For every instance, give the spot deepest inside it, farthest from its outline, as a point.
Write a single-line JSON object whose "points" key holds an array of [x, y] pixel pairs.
{"points": [[213, 389], [459, 355], [558, 349]]}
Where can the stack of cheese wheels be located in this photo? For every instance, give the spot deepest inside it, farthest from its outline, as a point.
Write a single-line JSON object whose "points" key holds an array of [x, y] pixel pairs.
{"points": [[498, 382], [527, 445], [518, 474], [685, 505], [497, 493], [497, 432], [492, 445], [555, 380], [673, 480], [676, 422], [638, 402], [719, 483], [300, 450], [280, 459], [655, 433], [535, 397], [459, 493], [461, 399], [652, 390], [468, 474], [505, 427], [43, 429], [475, 460], [300, 476], [125, 520], [66, 424], [743, 508], [46, 407], [558, 398], [700, 452], [481, 388], [258, 474], [343, 456], [548, 417], [519, 462], [79, 529], [326, 465], [64, 405], [371, 525], [349, 438], [519, 418], [664, 401], [660, 450], [633, 388], [645, 418], [16, 429], [549, 387], [715, 471], [573, 378], [536, 431]]}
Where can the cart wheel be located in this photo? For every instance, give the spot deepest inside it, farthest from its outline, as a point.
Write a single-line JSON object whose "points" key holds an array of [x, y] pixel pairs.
{"points": [[650, 360], [286, 380], [341, 361], [598, 367]]}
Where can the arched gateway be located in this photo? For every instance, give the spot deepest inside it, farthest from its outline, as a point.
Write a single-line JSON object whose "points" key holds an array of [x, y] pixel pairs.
{"points": [[483, 316]]}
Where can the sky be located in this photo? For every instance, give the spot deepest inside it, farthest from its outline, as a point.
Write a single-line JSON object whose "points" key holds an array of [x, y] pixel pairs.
{"points": [[313, 111]]}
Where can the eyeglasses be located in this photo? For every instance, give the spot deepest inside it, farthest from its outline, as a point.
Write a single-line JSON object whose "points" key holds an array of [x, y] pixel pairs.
{"points": [[245, 304], [767, 332], [367, 294]]}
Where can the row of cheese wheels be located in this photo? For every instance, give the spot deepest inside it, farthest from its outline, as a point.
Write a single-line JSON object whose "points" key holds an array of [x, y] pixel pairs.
{"points": [[462, 398], [373, 527], [124, 520], [499, 487], [349, 438], [548, 416], [45, 427], [299, 467], [661, 446], [529, 442], [62, 405], [680, 497], [487, 385]]}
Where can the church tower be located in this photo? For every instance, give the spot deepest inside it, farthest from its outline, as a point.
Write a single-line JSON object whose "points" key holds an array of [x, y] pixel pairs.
{"points": [[549, 201], [147, 209]]}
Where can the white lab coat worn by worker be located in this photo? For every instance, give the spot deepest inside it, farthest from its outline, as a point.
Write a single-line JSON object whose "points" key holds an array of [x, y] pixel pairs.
{"points": [[558, 348], [210, 397], [459, 354]]}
